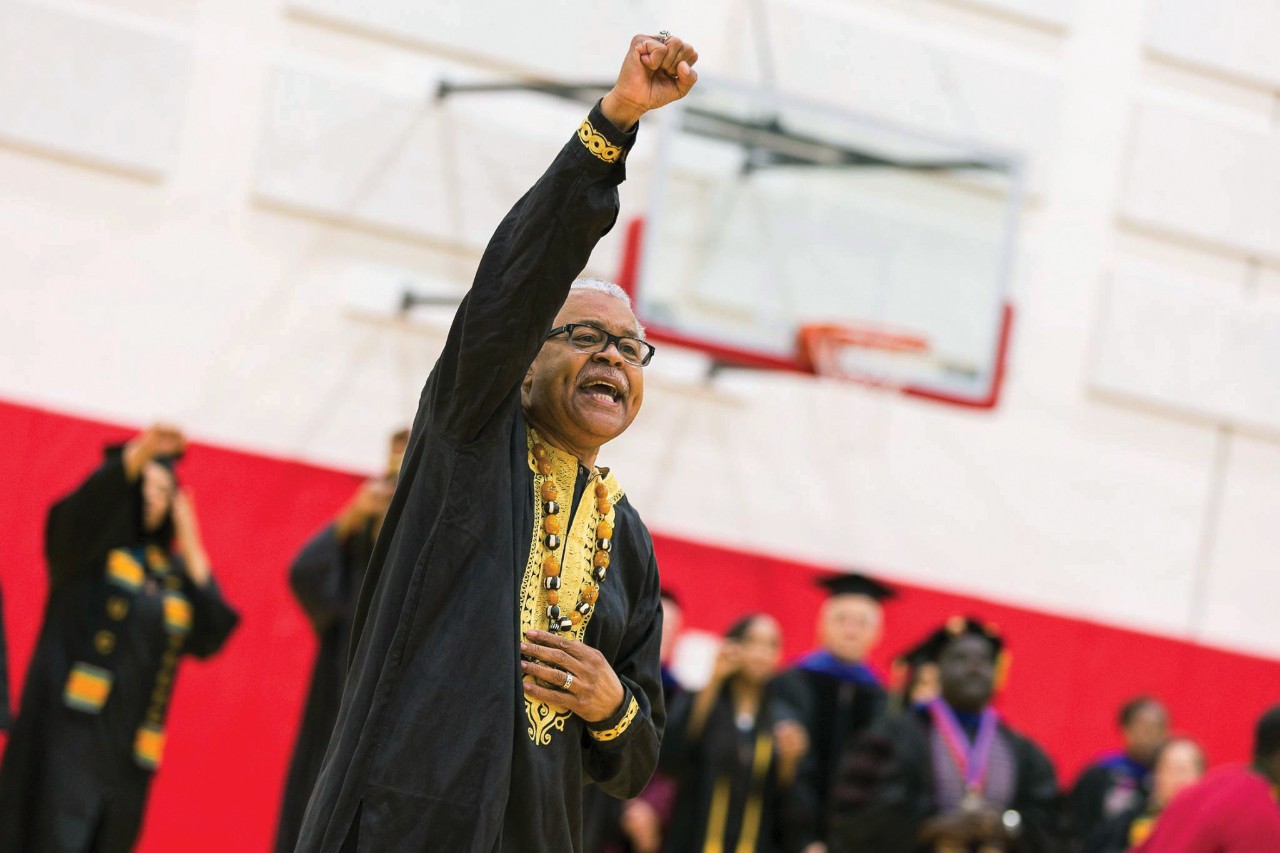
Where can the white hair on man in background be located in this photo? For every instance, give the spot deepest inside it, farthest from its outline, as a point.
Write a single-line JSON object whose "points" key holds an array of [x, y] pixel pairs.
{"points": [[601, 286]]}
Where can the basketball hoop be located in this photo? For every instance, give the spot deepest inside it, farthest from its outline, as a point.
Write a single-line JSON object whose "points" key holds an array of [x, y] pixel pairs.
{"points": [[846, 350]]}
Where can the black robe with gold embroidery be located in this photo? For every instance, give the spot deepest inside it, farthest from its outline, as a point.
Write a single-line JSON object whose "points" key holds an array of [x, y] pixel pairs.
{"points": [[434, 747], [325, 578], [71, 779]]}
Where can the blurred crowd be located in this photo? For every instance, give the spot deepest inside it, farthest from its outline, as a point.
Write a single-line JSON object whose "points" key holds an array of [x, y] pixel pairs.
{"points": [[819, 756], [822, 757]]}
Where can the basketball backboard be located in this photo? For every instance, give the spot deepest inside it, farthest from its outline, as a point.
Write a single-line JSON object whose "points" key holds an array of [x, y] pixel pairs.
{"points": [[789, 235]]}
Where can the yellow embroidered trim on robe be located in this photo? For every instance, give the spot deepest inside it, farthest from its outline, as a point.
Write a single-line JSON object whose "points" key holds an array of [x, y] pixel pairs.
{"points": [[622, 726], [597, 144], [575, 553]]}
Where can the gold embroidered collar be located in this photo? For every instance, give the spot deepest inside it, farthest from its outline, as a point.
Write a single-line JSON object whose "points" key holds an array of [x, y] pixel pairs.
{"points": [[577, 553]]}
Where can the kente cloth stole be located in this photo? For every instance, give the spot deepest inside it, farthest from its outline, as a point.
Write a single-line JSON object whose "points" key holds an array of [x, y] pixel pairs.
{"points": [[576, 553], [92, 677], [962, 771]]}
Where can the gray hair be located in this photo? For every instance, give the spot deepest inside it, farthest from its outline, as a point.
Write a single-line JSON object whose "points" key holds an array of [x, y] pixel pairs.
{"points": [[611, 289]]}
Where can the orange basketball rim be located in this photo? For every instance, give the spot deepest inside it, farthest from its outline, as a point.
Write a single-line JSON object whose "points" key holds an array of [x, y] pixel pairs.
{"points": [[821, 345]]}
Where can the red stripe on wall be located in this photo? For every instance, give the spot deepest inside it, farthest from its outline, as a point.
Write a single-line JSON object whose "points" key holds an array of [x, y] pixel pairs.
{"points": [[234, 717]]}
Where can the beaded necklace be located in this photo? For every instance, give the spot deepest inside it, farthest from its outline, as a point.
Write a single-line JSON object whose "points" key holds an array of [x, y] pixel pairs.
{"points": [[552, 529]]}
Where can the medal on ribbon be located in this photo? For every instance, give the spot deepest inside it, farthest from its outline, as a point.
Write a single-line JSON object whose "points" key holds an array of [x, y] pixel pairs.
{"points": [[972, 760]]}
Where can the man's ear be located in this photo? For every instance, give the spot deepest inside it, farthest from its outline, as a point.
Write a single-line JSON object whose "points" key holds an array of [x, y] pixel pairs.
{"points": [[526, 386]]}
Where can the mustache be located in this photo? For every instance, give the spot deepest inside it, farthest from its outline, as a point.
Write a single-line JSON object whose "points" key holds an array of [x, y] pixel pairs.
{"points": [[597, 374]]}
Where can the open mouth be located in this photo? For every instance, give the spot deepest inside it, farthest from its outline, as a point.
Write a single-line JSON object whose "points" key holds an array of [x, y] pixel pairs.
{"points": [[603, 391]]}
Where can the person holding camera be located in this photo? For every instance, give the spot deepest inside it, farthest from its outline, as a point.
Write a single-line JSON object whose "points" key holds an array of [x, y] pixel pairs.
{"points": [[733, 755], [131, 593]]}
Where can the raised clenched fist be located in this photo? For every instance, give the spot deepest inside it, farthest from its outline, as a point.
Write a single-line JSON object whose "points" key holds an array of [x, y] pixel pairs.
{"points": [[653, 75]]}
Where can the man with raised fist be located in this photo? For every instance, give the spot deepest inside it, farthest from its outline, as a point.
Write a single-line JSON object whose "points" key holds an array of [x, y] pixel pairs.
{"points": [[506, 645]]}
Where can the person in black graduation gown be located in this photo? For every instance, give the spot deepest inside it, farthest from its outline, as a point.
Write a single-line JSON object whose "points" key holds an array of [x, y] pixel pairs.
{"points": [[507, 634], [734, 758], [131, 592], [1117, 782], [325, 578], [949, 775], [834, 694]]}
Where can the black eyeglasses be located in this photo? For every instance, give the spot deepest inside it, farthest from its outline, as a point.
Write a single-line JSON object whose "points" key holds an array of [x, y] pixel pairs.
{"points": [[592, 339]]}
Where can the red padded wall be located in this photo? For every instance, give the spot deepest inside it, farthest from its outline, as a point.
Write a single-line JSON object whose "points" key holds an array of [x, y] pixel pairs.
{"points": [[234, 716]]}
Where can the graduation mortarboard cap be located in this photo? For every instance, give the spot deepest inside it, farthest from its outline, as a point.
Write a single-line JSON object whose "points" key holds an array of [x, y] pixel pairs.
{"points": [[931, 647], [925, 651], [854, 583]]}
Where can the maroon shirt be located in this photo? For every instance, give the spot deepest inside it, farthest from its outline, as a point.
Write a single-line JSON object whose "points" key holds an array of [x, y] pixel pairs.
{"points": [[1231, 810]]}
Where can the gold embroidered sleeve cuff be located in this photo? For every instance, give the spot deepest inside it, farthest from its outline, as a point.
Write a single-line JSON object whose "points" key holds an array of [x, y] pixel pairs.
{"points": [[616, 729], [602, 140], [598, 144]]}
